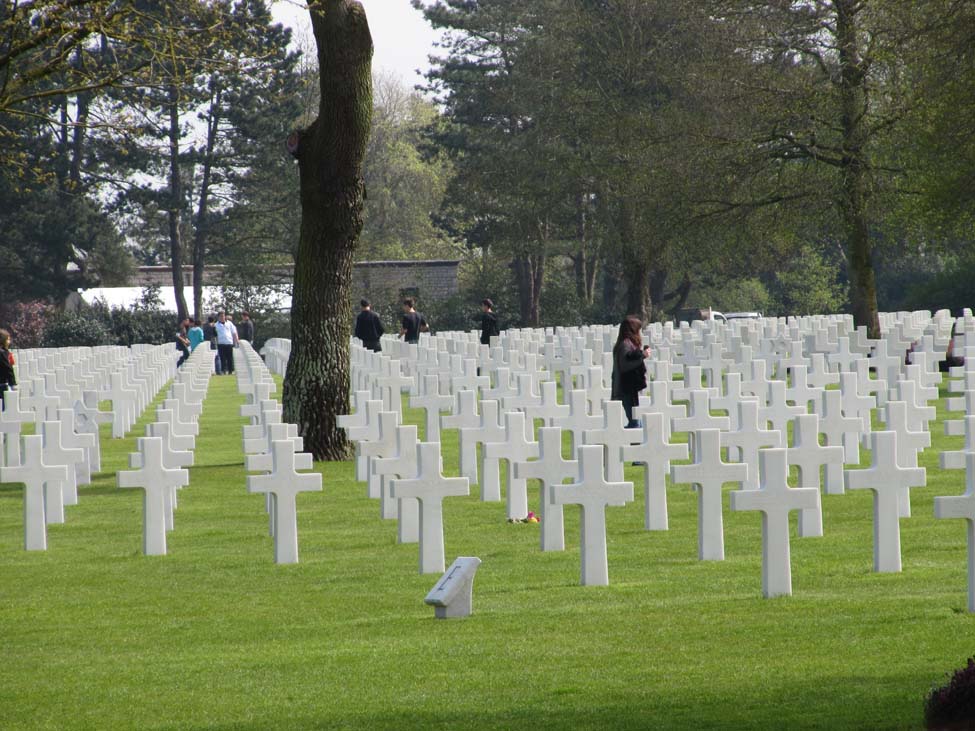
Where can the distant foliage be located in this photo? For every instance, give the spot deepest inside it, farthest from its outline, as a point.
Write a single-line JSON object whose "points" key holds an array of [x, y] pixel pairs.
{"points": [[952, 706], [25, 321], [75, 329]]}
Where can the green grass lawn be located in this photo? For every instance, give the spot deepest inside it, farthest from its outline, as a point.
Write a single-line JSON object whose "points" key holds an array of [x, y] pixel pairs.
{"points": [[215, 636]]}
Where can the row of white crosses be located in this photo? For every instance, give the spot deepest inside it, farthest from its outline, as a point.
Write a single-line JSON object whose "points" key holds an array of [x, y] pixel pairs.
{"points": [[160, 466], [273, 450], [65, 449], [843, 416]]}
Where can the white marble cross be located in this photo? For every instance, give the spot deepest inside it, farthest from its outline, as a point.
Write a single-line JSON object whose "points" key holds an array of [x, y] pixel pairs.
{"points": [[548, 409], [656, 453], [775, 499], [35, 475], [157, 481], [384, 445], [709, 473], [909, 445], [579, 418], [660, 403], [839, 430], [430, 487], [78, 440], [465, 416], [699, 417], [56, 453], [403, 464], [550, 469], [432, 402], [593, 493], [516, 446], [748, 439], [777, 410], [886, 479], [613, 435], [490, 430], [11, 417], [809, 456], [963, 506], [284, 483]]}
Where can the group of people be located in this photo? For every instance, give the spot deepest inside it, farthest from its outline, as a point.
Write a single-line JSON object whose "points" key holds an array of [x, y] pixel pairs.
{"points": [[369, 327], [222, 335]]}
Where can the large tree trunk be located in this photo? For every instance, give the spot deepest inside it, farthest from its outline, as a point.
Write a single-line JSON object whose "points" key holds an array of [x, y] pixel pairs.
{"points": [[584, 260], [175, 205], [330, 154], [201, 230], [853, 99]]}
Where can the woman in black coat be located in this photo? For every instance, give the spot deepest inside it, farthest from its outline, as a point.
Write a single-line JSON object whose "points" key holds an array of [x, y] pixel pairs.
{"points": [[8, 380], [629, 370]]}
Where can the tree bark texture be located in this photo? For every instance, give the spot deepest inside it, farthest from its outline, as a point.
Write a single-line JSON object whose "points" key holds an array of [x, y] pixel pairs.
{"points": [[175, 205], [330, 154], [202, 229], [855, 189], [529, 273], [636, 267]]}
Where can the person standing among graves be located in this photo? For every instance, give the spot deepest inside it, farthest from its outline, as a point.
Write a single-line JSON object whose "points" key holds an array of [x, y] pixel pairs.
{"points": [[629, 370], [246, 329], [368, 327], [195, 335], [226, 340], [183, 342], [489, 322], [210, 335], [8, 379], [412, 322]]}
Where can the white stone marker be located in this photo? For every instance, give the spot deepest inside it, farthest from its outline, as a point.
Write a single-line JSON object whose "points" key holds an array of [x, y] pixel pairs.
{"points": [[613, 435], [34, 474], [55, 453], [490, 430], [809, 456], [157, 481], [430, 487], [550, 469], [465, 416], [656, 454], [453, 594], [886, 479], [963, 506], [748, 439], [909, 445], [404, 465], [516, 447], [709, 473], [839, 430], [383, 446], [775, 499], [284, 483], [78, 440], [593, 493], [11, 417]]}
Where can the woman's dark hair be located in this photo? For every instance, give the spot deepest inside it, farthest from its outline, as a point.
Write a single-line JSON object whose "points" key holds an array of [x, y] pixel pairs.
{"points": [[4, 338], [487, 303], [409, 302], [631, 329]]}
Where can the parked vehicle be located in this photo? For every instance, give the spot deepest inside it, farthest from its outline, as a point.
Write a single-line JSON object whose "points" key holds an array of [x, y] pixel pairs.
{"points": [[706, 313]]}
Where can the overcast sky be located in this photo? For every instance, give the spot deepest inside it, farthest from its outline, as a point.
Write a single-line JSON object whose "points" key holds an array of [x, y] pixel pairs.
{"points": [[402, 38]]}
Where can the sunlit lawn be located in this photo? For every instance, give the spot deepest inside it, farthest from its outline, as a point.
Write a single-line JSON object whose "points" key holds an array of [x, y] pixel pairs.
{"points": [[216, 636]]}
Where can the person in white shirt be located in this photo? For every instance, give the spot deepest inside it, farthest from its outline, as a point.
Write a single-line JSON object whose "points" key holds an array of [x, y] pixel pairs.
{"points": [[226, 340]]}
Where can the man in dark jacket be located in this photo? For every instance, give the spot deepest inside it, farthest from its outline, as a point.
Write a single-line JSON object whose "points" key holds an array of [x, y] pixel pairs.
{"points": [[368, 327], [245, 330], [489, 322]]}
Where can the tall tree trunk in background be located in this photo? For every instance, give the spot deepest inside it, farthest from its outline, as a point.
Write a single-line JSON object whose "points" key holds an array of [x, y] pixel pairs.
{"points": [[175, 205], [330, 154], [636, 267], [201, 230], [853, 100], [529, 274], [584, 259]]}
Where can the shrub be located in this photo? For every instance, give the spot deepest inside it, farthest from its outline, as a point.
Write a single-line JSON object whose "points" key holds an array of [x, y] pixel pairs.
{"points": [[26, 322], [75, 329], [953, 705]]}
